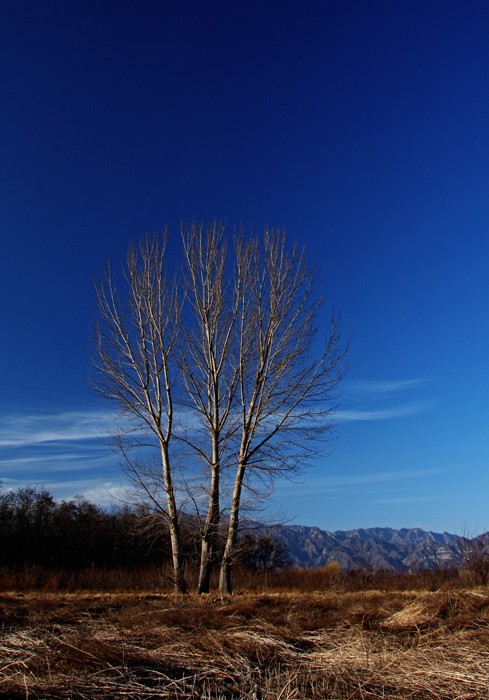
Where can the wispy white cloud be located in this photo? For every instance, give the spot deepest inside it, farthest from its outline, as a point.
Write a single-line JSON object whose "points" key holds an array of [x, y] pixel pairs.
{"points": [[48, 463], [72, 426], [106, 493], [374, 414], [37, 429], [378, 400], [98, 491], [386, 386], [319, 485], [408, 499], [53, 457]]}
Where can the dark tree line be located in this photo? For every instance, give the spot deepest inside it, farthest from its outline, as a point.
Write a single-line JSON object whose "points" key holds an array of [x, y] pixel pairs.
{"points": [[73, 534], [264, 553], [36, 529]]}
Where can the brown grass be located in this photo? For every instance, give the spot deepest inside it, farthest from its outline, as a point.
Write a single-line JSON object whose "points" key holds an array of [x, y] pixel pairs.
{"points": [[335, 646], [159, 579]]}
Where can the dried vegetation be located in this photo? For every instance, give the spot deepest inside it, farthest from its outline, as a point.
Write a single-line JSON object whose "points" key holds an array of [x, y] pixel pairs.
{"points": [[331, 645]]}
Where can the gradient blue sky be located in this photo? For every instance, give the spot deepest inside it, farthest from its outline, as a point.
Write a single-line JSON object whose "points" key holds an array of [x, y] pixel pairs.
{"points": [[360, 127]]}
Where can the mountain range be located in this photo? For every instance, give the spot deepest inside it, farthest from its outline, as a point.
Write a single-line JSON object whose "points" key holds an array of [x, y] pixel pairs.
{"points": [[375, 548]]}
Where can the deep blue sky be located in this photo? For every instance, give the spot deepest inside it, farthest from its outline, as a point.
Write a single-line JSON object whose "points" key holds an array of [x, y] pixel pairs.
{"points": [[360, 127]]}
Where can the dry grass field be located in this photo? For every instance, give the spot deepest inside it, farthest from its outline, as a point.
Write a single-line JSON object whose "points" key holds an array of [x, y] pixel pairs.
{"points": [[261, 646]]}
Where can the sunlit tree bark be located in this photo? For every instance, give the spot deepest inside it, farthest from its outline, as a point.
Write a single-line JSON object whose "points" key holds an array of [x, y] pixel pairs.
{"points": [[134, 337], [287, 377], [210, 373]]}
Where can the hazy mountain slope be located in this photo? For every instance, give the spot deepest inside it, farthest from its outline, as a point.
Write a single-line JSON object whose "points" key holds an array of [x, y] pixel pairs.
{"points": [[375, 548]]}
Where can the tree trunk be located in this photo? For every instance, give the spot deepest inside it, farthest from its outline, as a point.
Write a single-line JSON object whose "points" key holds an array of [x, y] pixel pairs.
{"points": [[225, 587], [179, 583], [209, 536], [206, 556]]}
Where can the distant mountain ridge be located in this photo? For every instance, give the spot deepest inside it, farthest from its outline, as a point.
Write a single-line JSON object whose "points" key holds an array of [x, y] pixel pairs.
{"points": [[407, 549]]}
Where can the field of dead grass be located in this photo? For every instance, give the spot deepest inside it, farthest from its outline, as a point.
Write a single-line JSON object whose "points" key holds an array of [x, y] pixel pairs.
{"points": [[331, 646]]}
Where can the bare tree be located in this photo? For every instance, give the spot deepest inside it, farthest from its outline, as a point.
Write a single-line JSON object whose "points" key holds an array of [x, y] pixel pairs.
{"points": [[134, 338], [476, 558], [209, 368], [286, 390], [234, 365]]}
